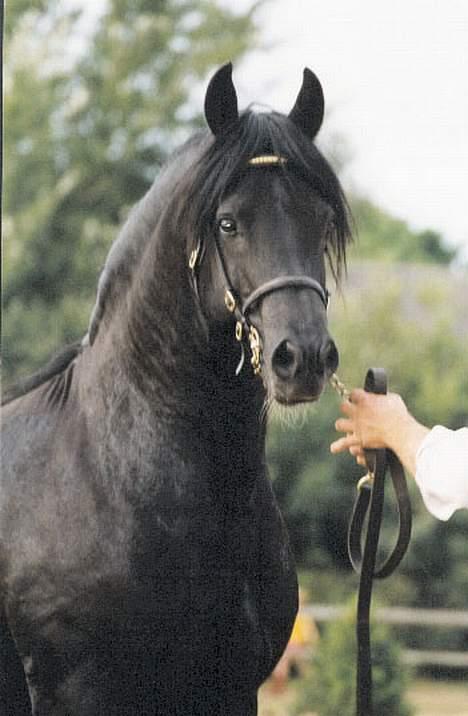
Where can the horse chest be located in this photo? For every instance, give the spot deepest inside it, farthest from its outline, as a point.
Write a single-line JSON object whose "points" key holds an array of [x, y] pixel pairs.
{"points": [[195, 557], [181, 553]]}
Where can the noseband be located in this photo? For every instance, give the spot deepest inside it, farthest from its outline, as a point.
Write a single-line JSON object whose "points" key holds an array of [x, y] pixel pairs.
{"points": [[233, 302]]}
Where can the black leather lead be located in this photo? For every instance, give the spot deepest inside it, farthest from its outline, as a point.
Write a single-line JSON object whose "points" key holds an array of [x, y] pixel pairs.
{"points": [[370, 501]]}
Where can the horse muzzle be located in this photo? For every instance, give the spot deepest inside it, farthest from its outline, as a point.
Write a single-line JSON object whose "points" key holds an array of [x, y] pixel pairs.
{"points": [[297, 370]]}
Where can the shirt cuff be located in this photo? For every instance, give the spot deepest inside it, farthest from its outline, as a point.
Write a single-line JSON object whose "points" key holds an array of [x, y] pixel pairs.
{"points": [[441, 473]]}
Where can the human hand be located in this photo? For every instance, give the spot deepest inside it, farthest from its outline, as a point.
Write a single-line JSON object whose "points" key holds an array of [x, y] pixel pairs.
{"points": [[378, 421], [372, 421]]}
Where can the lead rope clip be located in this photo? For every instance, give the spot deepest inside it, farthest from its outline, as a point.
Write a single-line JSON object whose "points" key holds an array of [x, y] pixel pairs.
{"points": [[367, 480]]}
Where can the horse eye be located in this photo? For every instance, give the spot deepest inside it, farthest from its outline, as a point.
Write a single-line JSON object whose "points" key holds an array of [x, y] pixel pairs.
{"points": [[228, 226]]}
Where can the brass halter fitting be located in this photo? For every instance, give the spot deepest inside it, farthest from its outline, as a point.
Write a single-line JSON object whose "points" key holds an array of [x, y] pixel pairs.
{"points": [[256, 350], [267, 159], [366, 481], [194, 258], [230, 301]]}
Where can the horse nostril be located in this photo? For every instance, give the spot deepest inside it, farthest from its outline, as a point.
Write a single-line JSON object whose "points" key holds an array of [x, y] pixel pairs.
{"points": [[328, 356], [286, 360], [290, 361]]}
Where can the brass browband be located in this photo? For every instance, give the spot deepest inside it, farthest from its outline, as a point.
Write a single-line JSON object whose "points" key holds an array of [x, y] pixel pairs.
{"points": [[266, 159]]}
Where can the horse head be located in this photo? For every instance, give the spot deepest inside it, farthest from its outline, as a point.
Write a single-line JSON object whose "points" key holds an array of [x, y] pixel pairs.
{"points": [[273, 212]]}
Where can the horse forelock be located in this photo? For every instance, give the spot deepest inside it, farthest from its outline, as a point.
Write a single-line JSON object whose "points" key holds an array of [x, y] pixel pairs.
{"points": [[226, 159]]}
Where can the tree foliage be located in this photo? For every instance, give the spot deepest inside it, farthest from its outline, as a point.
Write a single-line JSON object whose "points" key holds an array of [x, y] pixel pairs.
{"points": [[330, 688], [383, 237]]}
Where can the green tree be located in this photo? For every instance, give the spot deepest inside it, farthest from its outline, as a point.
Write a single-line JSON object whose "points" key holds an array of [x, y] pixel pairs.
{"points": [[384, 237], [330, 687], [86, 130]]}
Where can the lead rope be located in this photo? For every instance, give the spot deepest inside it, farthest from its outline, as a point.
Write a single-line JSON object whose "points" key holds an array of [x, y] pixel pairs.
{"points": [[370, 498]]}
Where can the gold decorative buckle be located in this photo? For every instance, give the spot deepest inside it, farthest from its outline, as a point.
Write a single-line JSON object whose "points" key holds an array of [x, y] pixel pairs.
{"points": [[239, 330], [230, 301], [193, 258], [255, 347]]}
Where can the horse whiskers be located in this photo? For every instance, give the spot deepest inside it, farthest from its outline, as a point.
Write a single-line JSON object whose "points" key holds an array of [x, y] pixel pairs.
{"points": [[266, 409], [290, 416]]}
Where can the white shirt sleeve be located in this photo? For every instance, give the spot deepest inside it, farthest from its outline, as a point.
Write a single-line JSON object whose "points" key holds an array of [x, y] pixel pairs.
{"points": [[442, 471]]}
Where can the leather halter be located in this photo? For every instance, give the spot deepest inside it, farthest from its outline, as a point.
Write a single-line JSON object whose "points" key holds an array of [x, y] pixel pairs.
{"points": [[233, 301]]}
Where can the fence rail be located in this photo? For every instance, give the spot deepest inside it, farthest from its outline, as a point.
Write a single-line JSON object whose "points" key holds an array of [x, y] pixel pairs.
{"points": [[406, 616]]}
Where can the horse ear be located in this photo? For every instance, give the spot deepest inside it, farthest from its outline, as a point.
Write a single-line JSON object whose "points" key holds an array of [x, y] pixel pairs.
{"points": [[221, 101], [308, 111]]}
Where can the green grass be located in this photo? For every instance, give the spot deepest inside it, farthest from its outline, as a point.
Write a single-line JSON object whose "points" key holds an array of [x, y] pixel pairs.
{"points": [[439, 698]]}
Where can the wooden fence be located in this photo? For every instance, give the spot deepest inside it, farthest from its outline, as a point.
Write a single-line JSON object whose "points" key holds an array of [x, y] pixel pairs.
{"points": [[403, 616]]}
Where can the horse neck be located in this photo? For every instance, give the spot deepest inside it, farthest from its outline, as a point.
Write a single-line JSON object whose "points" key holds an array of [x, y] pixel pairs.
{"points": [[156, 359], [156, 343], [180, 356]]}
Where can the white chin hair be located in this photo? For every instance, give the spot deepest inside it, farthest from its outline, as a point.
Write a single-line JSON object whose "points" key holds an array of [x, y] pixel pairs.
{"points": [[290, 416]]}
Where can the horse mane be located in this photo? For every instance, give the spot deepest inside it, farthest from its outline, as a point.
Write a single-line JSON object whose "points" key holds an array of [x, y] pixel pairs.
{"points": [[56, 365], [123, 255], [136, 233]]}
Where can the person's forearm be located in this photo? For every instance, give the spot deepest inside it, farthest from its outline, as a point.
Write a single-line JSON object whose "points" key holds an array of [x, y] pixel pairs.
{"points": [[404, 439]]}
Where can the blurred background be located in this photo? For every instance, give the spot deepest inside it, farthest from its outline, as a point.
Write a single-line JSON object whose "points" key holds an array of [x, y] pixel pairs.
{"points": [[99, 92]]}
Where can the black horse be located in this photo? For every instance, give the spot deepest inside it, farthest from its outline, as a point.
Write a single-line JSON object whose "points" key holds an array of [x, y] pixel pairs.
{"points": [[144, 566]]}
